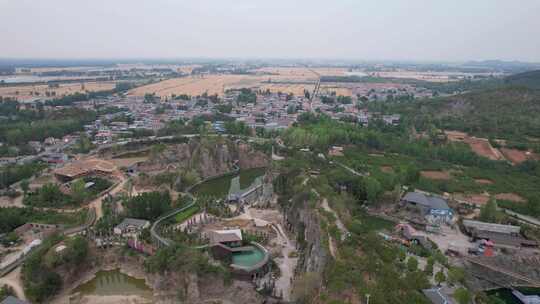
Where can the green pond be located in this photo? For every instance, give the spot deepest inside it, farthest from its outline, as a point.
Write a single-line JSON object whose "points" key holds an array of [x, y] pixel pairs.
{"points": [[113, 282], [248, 258], [507, 297], [223, 186]]}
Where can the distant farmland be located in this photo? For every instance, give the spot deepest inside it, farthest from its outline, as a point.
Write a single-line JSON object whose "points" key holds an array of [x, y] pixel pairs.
{"points": [[23, 91], [286, 80]]}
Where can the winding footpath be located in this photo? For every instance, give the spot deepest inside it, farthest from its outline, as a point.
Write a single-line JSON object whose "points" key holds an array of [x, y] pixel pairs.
{"points": [[344, 231]]}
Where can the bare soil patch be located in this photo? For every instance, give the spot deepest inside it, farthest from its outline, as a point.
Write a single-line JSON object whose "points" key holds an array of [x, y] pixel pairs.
{"points": [[436, 175], [483, 148], [478, 199], [484, 181], [517, 156], [387, 169], [480, 146], [510, 197]]}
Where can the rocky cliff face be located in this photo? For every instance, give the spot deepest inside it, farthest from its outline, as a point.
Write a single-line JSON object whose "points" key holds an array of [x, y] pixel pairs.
{"points": [[305, 221], [207, 156], [212, 290]]}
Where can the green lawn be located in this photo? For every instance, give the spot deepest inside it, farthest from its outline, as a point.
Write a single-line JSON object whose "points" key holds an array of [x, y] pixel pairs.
{"points": [[184, 215]]}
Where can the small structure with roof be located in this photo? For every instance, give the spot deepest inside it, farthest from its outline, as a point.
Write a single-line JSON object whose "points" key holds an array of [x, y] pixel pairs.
{"points": [[431, 205], [500, 235], [230, 238], [335, 151], [83, 168]]}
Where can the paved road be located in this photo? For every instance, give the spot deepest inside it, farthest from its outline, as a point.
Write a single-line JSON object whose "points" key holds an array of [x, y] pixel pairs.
{"points": [[98, 202]]}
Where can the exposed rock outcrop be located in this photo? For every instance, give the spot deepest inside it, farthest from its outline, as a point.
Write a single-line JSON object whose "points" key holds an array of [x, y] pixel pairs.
{"points": [[209, 157], [314, 255]]}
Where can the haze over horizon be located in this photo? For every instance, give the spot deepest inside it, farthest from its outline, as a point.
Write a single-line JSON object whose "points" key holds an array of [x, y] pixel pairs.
{"points": [[417, 30]]}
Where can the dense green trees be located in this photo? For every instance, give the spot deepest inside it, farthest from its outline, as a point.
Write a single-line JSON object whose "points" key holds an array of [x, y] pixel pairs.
{"points": [[148, 205], [412, 264], [440, 277], [463, 296], [48, 196], [501, 113], [224, 108], [14, 173], [40, 278], [84, 144], [372, 188], [183, 259], [489, 212], [13, 217], [246, 96], [237, 128], [51, 124], [78, 191], [456, 275], [344, 99]]}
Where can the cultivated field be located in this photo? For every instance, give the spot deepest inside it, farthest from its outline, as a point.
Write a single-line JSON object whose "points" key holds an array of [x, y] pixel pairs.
{"points": [[436, 175], [285, 80], [197, 85], [23, 92]]}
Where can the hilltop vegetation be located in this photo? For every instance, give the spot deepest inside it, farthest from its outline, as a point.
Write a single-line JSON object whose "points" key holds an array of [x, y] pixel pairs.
{"points": [[408, 153], [529, 79], [508, 113]]}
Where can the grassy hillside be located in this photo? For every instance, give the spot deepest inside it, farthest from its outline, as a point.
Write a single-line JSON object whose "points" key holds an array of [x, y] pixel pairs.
{"points": [[529, 79], [509, 112]]}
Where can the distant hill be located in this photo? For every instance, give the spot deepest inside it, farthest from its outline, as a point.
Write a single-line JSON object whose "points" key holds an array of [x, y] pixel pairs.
{"points": [[529, 79]]}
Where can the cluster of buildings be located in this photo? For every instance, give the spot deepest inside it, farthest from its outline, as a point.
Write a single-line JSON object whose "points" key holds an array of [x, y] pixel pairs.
{"points": [[121, 115]]}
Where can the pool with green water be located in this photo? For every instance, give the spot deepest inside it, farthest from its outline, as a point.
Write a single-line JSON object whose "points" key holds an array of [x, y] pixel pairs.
{"points": [[221, 187], [248, 258], [113, 282]]}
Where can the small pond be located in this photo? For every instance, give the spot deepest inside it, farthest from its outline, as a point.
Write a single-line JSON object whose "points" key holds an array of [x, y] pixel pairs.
{"points": [[221, 187], [248, 258], [113, 282]]}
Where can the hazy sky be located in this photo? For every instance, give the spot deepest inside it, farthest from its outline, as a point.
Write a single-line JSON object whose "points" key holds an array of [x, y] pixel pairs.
{"points": [[449, 30]]}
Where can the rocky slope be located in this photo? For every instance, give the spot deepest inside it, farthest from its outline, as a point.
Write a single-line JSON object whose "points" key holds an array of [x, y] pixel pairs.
{"points": [[208, 157], [305, 220]]}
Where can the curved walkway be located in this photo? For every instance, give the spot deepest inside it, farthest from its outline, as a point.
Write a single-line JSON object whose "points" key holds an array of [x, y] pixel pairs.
{"points": [[162, 241]]}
